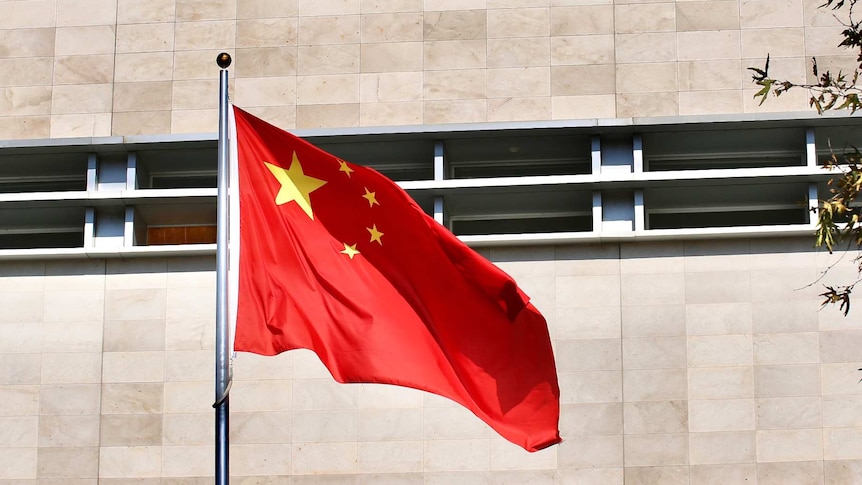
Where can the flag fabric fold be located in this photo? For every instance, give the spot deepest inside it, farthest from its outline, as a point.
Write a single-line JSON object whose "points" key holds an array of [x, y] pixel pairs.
{"points": [[338, 259]]}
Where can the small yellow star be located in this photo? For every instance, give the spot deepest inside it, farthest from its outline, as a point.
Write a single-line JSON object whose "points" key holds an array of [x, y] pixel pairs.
{"points": [[350, 250], [344, 168], [295, 185], [375, 234], [371, 196]]}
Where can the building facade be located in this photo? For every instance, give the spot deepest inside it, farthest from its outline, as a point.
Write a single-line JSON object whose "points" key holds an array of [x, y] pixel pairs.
{"points": [[607, 154]]}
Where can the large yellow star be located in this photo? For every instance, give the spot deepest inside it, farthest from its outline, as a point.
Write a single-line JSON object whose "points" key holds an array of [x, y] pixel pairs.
{"points": [[350, 250], [371, 197], [295, 185], [375, 234]]}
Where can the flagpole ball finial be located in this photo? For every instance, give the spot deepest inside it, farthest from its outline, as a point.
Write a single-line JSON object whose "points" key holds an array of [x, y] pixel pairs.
{"points": [[223, 60]]}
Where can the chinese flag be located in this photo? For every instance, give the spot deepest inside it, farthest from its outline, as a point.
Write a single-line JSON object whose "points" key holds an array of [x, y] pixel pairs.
{"points": [[336, 258]]}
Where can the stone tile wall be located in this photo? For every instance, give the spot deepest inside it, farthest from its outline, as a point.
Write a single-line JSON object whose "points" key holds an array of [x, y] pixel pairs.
{"points": [[126, 67], [679, 362]]}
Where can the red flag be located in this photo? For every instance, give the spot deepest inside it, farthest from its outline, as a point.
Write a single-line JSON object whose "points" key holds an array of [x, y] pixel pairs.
{"points": [[338, 259]]}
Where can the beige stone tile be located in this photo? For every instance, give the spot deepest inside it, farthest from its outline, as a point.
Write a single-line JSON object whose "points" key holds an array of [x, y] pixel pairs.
{"points": [[73, 306], [337, 458], [521, 52], [188, 365], [759, 14], [655, 385], [841, 443], [188, 461], [720, 350], [194, 121], [83, 98], [198, 64], [581, 80], [381, 396], [264, 62], [582, 20], [442, 455], [203, 35], [392, 27], [86, 12], [787, 348], [390, 424], [789, 445], [267, 32], [591, 419], [785, 316], [458, 111], [721, 415], [196, 397], [718, 474], [21, 127], [591, 452], [327, 89], [840, 411], [135, 12], [71, 337], [839, 379], [443, 478], [583, 355], [20, 14], [256, 460], [57, 431], [19, 431], [510, 457], [328, 59], [841, 471], [455, 25], [72, 41], [452, 423], [456, 84], [718, 287], [656, 450], [389, 457], [69, 465], [189, 10], [773, 42], [654, 353], [710, 102], [141, 123], [266, 8], [249, 367], [722, 447], [19, 400], [197, 429], [378, 6], [84, 69], [579, 107], [655, 417], [342, 29], [648, 17], [782, 473], [519, 109], [391, 57], [133, 367], [787, 380], [389, 87], [787, 285], [324, 426], [720, 383], [130, 430], [57, 400], [591, 387], [582, 50], [653, 321], [709, 75], [595, 322], [22, 276], [591, 476], [20, 369], [18, 338], [646, 47], [647, 104], [75, 274], [587, 291], [71, 368], [191, 302], [382, 114], [140, 304], [145, 66], [134, 335], [130, 461], [142, 96], [789, 413], [518, 22], [26, 43], [277, 395], [837, 346], [707, 15], [327, 115], [32, 71], [653, 289], [454, 54], [328, 7], [671, 475], [713, 45], [18, 464], [24, 100], [132, 398]]}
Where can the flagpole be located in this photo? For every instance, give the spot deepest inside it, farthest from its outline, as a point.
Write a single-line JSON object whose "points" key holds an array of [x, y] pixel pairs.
{"points": [[222, 352]]}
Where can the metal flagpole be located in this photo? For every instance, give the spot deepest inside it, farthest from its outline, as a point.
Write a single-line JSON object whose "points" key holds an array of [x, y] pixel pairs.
{"points": [[222, 352]]}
